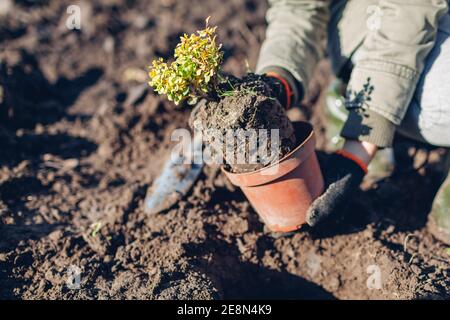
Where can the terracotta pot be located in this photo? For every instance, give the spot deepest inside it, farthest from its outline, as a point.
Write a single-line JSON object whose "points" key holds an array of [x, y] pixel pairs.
{"points": [[282, 195]]}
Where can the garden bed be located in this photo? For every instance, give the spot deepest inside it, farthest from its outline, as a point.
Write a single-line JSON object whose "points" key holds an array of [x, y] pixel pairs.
{"points": [[81, 142]]}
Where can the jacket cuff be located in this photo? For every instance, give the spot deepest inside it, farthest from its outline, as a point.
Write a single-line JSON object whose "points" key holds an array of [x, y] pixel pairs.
{"points": [[384, 87], [296, 87], [369, 126]]}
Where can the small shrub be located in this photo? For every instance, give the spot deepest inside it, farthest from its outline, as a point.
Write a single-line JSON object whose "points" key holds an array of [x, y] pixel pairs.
{"points": [[194, 71]]}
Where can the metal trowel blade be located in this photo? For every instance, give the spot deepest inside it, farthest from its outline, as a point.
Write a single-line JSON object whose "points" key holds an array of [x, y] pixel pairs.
{"points": [[178, 176]]}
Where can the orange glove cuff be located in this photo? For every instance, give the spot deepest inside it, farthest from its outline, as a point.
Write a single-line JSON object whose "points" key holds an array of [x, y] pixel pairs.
{"points": [[354, 158]]}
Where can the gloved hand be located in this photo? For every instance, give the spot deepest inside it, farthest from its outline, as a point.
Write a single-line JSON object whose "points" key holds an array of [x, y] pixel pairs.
{"points": [[280, 88], [343, 173]]}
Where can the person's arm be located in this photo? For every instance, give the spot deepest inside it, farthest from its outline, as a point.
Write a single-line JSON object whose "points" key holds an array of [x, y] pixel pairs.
{"points": [[388, 67], [381, 87], [294, 43]]}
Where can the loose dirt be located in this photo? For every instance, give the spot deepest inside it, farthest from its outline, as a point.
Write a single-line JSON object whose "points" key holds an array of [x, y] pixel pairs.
{"points": [[80, 143]]}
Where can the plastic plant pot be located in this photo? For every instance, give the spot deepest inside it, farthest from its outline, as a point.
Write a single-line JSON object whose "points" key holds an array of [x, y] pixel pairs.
{"points": [[282, 195]]}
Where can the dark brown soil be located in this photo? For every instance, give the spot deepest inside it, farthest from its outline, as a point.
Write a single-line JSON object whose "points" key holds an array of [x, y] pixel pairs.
{"points": [[80, 143], [247, 106]]}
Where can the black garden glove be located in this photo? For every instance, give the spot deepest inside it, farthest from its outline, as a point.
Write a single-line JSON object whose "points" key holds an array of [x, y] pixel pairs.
{"points": [[343, 174], [278, 89], [284, 86]]}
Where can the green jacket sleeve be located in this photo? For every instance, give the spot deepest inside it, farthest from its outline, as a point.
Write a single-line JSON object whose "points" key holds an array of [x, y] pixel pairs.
{"points": [[295, 40], [390, 61]]}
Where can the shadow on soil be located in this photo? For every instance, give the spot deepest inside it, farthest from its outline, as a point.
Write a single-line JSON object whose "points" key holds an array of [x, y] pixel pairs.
{"points": [[243, 280], [11, 236], [30, 99]]}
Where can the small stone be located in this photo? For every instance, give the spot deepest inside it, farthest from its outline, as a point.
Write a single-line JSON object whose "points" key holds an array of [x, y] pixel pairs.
{"points": [[55, 236], [108, 45], [70, 164], [135, 74], [416, 269], [39, 129], [50, 176], [43, 210], [334, 283], [140, 21], [428, 287], [55, 214], [135, 94], [390, 229], [105, 150]]}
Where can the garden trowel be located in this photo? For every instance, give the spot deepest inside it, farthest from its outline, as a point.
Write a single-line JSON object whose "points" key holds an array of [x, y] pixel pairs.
{"points": [[178, 176]]}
